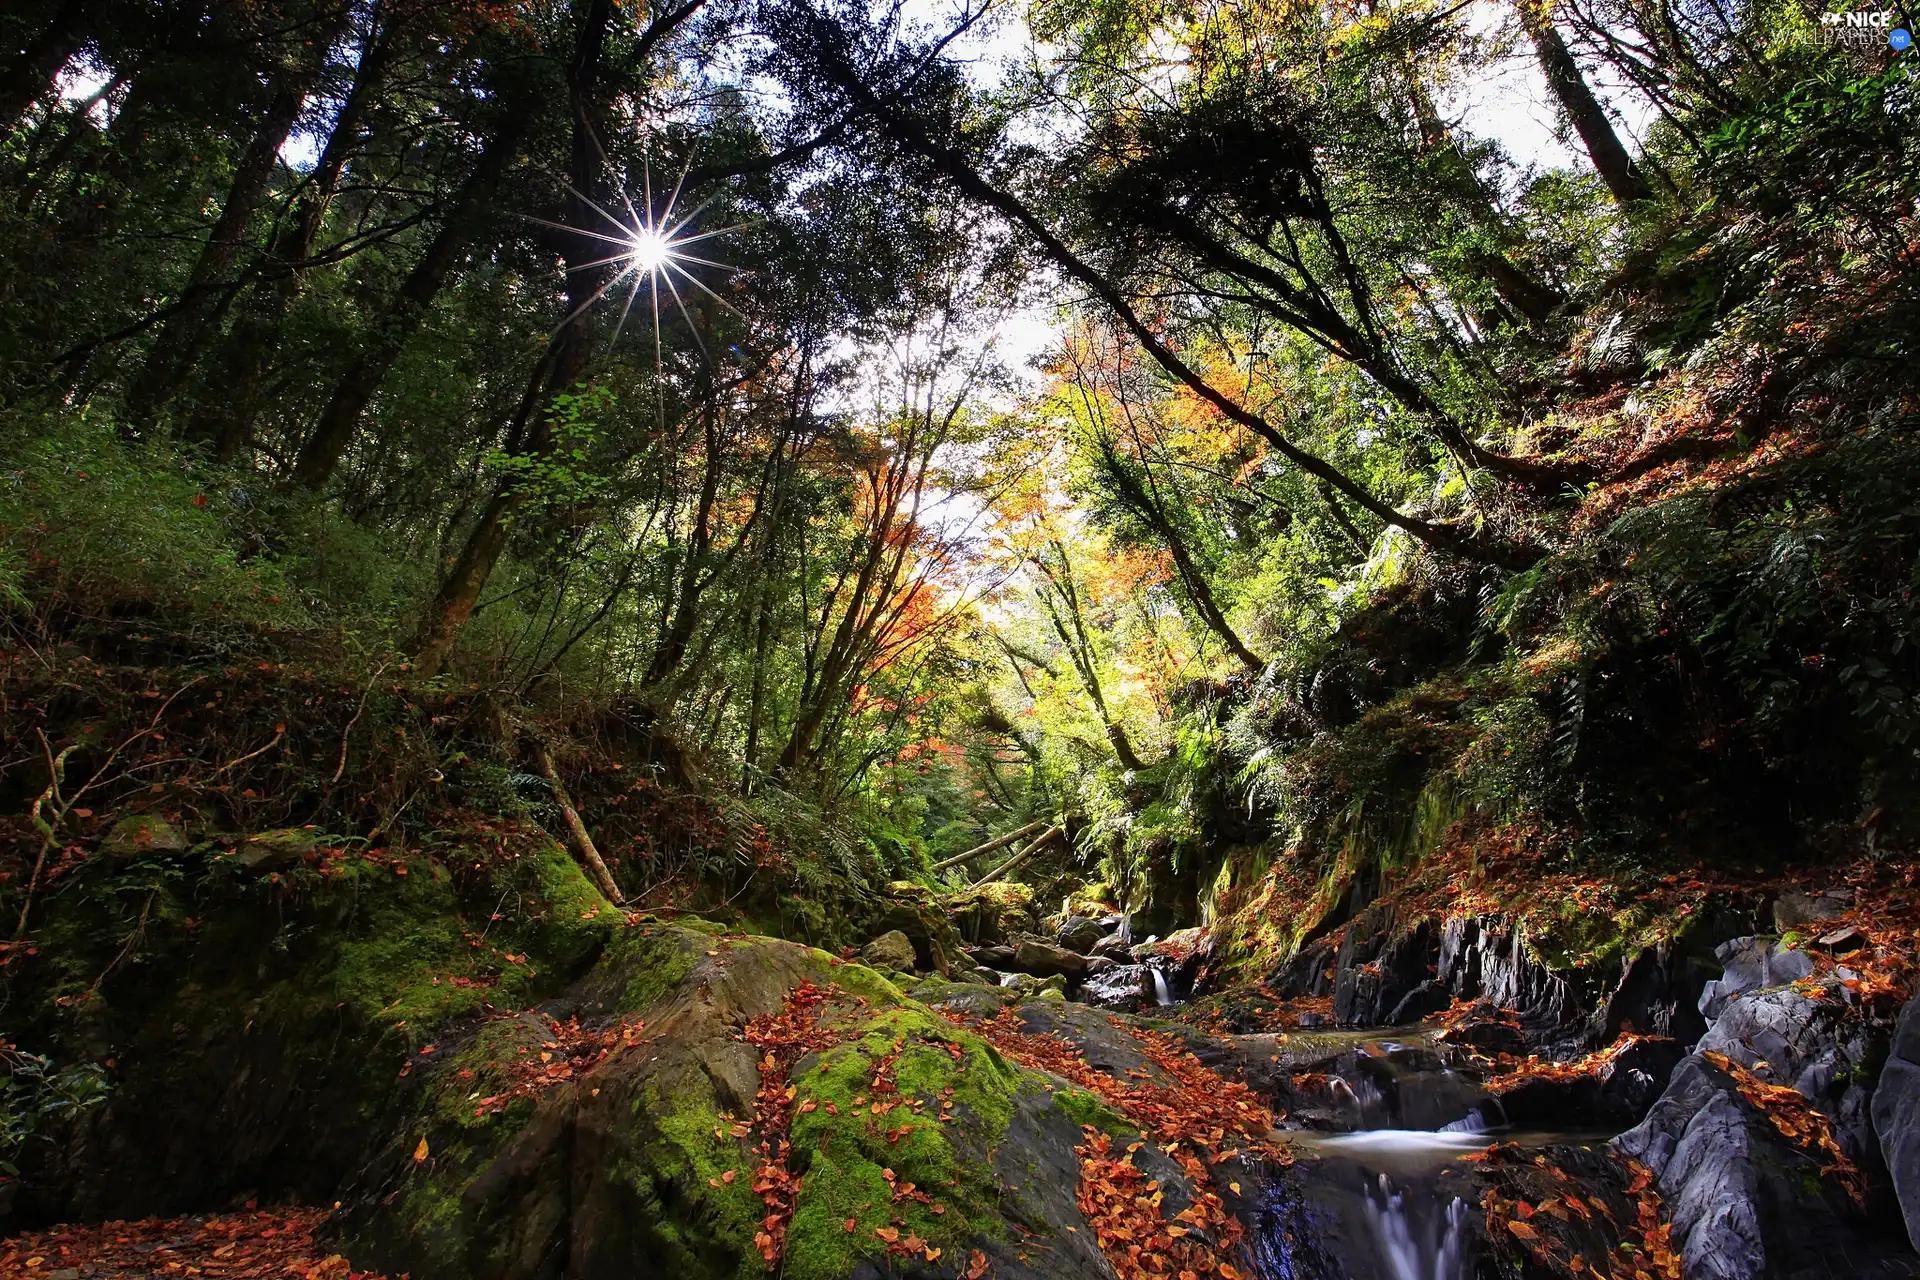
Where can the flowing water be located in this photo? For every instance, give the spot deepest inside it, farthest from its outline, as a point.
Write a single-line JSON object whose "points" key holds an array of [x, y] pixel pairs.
{"points": [[1432, 1247], [1387, 1199], [1161, 995]]}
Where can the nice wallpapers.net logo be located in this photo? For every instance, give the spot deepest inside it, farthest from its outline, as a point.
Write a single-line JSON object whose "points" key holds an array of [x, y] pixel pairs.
{"points": [[1865, 30]]}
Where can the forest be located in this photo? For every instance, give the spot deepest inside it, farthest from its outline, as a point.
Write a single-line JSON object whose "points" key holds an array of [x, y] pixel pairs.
{"points": [[1266, 639]]}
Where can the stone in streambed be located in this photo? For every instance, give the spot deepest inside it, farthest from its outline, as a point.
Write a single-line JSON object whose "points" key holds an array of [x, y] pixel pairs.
{"points": [[891, 950], [1896, 1116], [1127, 988], [1080, 933], [1043, 959]]}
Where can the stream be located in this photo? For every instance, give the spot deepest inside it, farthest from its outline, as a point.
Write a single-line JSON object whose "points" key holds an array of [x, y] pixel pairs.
{"points": [[1383, 1195]]}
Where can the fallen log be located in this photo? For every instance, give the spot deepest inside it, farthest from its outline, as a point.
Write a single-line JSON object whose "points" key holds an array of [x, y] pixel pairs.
{"points": [[576, 829], [1017, 858], [990, 845]]}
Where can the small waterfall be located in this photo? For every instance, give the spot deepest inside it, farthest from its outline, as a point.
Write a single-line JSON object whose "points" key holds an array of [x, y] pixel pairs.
{"points": [[1126, 928], [1411, 1249], [1160, 993]]}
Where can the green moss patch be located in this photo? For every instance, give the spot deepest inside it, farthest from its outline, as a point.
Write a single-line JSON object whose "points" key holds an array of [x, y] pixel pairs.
{"points": [[915, 1171]]}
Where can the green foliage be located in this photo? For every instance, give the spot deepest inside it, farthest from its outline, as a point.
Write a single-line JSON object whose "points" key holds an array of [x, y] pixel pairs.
{"points": [[89, 523], [34, 1094], [565, 475]]}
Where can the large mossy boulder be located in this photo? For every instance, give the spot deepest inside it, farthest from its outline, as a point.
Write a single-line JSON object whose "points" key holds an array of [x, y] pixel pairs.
{"points": [[993, 914], [500, 1076], [140, 835], [258, 1033], [757, 1100]]}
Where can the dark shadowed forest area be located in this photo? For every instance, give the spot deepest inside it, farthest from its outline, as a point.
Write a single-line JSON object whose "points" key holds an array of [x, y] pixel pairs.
{"points": [[945, 639]]}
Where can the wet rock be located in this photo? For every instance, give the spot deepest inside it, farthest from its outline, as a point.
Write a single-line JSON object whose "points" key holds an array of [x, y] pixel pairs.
{"points": [[1896, 1116], [1616, 1096], [1079, 933], [1100, 964], [1744, 1203], [1026, 985], [992, 913], [1750, 965], [1042, 959], [1114, 947], [140, 835], [1486, 957], [1335, 1218], [891, 950], [994, 957], [1127, 988], [1633, 1080], [1309, 973], [1379, 964], [1484, 1031], [1425, 1000], [1658, 995], [1796, 911], [1396, 1086]]}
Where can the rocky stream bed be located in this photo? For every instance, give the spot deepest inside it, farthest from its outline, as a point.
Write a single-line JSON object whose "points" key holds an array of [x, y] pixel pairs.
{"points": [[977, 1094]]}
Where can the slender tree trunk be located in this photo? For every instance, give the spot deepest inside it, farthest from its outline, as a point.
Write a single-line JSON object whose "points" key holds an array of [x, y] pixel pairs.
{"points": [[565, 361], [226, 421], [583, 846], [1589, 119], [184, 336], [31, 75], [1149, 508], [468, 212]]}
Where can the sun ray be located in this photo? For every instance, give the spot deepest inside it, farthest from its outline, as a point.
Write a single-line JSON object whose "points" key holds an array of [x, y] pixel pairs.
{"points": [[686, 315], [648, 245], [700, 284]]}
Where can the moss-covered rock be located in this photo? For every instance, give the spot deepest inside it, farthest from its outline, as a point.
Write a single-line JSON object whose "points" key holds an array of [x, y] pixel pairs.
{"points": [[262, 1029], [904, 1133]]}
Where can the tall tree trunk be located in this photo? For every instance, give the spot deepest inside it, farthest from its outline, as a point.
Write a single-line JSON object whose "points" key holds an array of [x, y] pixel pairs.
{"points": [[1589, 119], [226, 421], [1533, 298], [1070, 625], [572, 347], [340, 419], [184, 335], [565, 360], [31, 75]]}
